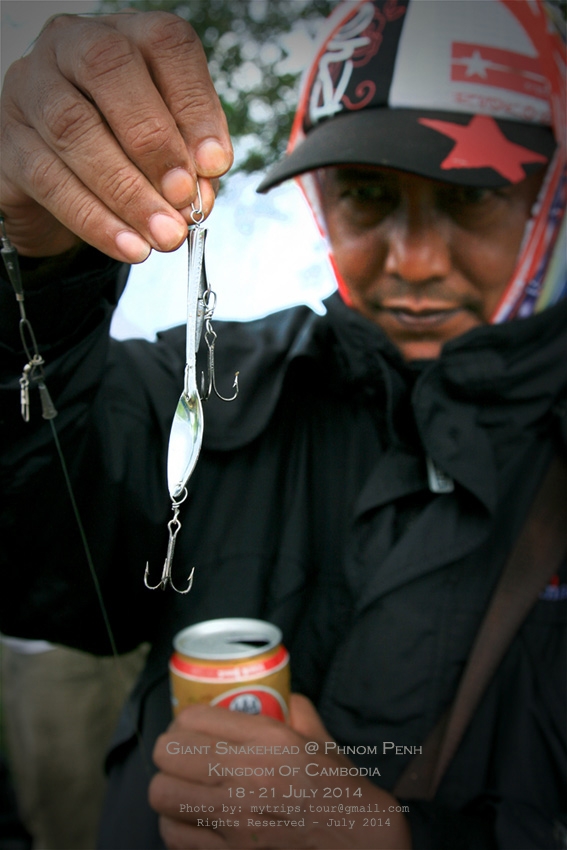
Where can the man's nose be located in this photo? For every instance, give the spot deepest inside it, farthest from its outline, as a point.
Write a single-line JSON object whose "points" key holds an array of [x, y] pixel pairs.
{"points": [[418, 247]]}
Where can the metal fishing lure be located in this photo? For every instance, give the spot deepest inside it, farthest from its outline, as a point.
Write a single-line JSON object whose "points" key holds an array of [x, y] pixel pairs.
{"points": [[186, 434]]}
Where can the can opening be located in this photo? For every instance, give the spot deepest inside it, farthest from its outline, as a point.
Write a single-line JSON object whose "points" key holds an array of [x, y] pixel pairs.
{"points": [[227, 639]]}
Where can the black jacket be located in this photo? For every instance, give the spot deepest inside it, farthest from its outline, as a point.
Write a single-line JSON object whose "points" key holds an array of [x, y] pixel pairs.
{"points": [[310, 507]]}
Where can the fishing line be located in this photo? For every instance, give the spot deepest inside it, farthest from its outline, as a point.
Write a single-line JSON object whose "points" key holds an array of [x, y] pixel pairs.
{"points": [[98, 591]]}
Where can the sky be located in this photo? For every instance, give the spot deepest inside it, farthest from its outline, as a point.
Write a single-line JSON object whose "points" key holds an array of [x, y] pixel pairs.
{"points": [[263, 251]]}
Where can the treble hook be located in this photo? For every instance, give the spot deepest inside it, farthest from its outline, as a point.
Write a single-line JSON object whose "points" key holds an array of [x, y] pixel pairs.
{"points": [[211, 386], [209, 301], [166, 578]]}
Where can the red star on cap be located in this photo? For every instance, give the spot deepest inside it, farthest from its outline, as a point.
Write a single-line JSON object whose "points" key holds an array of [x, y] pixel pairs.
{"points": [[482, 144]]}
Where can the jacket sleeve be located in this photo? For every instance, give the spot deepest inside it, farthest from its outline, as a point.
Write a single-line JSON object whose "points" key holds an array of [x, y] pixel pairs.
{"points": [[72, 501], [65, 297]]}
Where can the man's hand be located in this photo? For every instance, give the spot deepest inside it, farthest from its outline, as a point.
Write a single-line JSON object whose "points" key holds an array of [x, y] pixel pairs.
{"points": [[106, 126], [274, 791]]}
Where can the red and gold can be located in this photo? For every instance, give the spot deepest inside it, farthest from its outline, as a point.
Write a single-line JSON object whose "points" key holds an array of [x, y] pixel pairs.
{"points": [[236, 663]]}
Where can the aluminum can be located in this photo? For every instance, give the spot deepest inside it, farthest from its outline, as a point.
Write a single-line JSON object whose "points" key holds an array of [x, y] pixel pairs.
{"points": [[236, 663]]}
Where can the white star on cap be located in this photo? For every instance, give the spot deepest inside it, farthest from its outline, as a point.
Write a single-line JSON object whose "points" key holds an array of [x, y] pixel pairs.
{"points": [[476, 65]]}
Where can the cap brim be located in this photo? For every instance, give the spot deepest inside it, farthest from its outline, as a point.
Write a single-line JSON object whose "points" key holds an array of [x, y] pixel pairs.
{"points": [[395, 138]]}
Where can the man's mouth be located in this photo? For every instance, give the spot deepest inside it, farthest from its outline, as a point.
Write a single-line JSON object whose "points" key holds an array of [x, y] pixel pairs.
{"points": [[423, 316]]}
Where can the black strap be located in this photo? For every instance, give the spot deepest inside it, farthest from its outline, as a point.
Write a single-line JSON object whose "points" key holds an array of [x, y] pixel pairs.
{"points": [[536, 556]]}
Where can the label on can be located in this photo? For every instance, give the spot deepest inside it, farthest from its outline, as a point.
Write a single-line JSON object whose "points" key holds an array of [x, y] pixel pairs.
{"points": [[237, 672], [254, 700]]}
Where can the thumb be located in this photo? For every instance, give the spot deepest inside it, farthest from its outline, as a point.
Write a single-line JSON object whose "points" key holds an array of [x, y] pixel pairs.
{"points": [[305, 720]]}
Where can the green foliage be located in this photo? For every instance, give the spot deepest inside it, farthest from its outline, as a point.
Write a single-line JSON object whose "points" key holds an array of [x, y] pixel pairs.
{"points": [[561, 5], [256, 50]]}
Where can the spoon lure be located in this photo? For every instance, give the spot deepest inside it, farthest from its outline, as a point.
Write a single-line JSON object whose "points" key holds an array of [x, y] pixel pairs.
{"points": [[186, 435]]}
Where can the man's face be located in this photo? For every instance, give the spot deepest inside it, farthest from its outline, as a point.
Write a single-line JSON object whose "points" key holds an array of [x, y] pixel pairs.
{"points": [[425, 260]]}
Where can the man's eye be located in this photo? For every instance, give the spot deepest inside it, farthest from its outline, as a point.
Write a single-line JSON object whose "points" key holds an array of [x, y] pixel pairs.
{"points": [[467, 195], [470, 205], [367, 193]]}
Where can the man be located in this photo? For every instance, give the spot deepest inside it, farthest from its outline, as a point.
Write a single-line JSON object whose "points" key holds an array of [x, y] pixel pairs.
{"points": [[365, 489]]}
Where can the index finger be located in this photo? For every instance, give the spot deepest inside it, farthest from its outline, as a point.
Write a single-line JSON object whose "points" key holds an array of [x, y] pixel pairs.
{"points": [[232, 726], [178, 65]]}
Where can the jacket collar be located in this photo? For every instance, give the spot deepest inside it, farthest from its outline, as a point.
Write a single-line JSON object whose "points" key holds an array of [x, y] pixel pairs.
{"points": [[262, 351], [499, 376]]}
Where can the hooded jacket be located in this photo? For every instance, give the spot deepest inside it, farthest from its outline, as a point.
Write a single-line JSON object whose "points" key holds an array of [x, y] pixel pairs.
{"points": [[310, 507]]}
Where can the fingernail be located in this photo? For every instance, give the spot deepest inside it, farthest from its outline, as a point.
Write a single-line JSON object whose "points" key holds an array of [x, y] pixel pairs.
{"points": [[178, 187], [134, 248], [167, 232], [212, 159]]}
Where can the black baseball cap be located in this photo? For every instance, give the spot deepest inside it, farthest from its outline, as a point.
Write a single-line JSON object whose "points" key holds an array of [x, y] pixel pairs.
{"points": [[439, 88]]}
